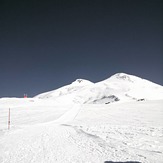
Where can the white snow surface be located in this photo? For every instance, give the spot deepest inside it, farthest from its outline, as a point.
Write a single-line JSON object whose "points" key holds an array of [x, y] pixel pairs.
{"points": [[119, 119], [119, 87]]}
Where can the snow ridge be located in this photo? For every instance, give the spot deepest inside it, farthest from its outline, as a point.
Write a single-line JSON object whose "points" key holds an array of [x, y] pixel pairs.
{"points": [[119, 87], [115, 120]]}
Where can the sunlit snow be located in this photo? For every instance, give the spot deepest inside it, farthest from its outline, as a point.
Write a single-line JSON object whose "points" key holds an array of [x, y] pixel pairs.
{"points": [[119, 119]]}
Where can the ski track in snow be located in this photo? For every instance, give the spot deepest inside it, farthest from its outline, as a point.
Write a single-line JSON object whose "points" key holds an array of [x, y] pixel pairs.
{"points": [[66, 143], [79, 136], [73, 124]]}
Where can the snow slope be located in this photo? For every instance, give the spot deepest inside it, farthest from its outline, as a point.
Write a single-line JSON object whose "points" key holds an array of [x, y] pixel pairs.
{"points": [[119, 87], [46, 129], [130, 131]]}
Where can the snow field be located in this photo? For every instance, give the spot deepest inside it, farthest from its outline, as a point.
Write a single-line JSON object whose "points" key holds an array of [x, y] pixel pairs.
{"points": [[118, 119], [85, 133]]}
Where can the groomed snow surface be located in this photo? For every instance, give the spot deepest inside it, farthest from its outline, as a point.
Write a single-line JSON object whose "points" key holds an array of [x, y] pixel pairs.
{"points": [[85, 122]]}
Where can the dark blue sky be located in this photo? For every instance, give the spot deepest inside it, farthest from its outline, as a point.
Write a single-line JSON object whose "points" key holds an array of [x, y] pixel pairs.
{"points": [[47, 44]]}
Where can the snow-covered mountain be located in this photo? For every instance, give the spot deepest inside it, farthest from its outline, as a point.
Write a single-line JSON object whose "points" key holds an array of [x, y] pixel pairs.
{"points": [[119, 87], [66, 126]]}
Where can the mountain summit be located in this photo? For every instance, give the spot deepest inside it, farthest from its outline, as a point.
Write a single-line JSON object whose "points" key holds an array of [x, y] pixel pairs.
{"points": [[119, 87], [81, 82]]}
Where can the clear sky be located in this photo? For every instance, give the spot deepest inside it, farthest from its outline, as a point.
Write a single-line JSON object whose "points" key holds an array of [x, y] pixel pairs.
{"points": [[47, 44]]}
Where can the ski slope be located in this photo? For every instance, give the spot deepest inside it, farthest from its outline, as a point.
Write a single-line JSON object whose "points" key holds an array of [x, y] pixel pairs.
{"points": [[44, 130]]}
